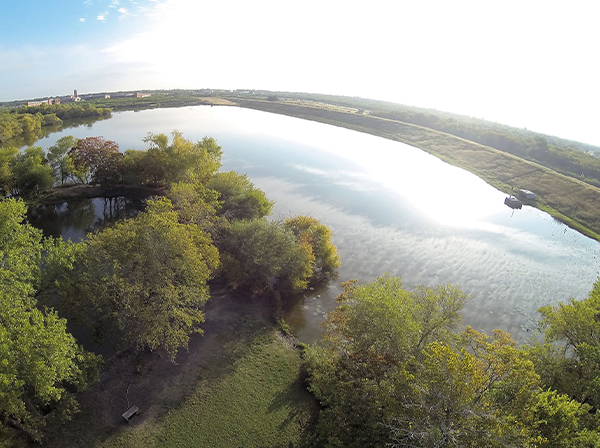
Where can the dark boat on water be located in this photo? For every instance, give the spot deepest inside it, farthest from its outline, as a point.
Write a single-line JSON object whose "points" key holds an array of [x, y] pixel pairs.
{"points": [[513, 202]]}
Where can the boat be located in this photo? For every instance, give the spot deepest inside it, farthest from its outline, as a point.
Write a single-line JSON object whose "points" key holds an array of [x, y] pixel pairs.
{"points": [[513, 202]]}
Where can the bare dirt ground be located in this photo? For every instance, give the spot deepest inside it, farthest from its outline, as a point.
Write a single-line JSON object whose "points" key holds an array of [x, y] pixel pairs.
{"points": [[151, 381]]}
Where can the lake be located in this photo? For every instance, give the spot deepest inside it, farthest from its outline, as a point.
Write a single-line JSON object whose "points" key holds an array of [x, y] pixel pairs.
{"points": [[391, 207]]}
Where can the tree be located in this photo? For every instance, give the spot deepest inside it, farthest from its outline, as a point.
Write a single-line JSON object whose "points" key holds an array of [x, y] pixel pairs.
{"points": [[390, 371], [98, 160], [576, 327], [38, 357], [30, 124], [240, 199], [60, 159], [472, 395], [182, 160], [9, 126], [151, 166], [262, 255], [196, 204], [378, 331], [318, 237], [32, 175], [554, 420], [7, 159], [144, 280]]}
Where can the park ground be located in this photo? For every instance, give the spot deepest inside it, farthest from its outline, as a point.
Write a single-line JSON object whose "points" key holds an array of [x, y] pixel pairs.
{"points": [[239, 384]]}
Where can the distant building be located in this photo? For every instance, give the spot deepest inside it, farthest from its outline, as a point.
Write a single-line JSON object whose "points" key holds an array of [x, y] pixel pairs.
{"points": [[106, 97], [38, 103], [143, 95]]}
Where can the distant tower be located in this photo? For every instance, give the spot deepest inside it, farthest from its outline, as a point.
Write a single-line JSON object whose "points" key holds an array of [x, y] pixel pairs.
{"points": [[75, 93]]}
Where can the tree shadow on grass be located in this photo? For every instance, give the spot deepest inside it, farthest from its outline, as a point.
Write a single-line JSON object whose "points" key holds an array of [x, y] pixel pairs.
{"points": [[155, 384], [302, 408]]}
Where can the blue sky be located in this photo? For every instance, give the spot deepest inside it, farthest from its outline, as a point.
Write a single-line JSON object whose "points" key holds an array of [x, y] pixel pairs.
{"points": [[527, 63]]}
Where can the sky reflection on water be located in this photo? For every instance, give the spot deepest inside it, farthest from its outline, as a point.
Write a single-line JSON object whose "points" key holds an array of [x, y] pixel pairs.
{"points": [[391, 207]]}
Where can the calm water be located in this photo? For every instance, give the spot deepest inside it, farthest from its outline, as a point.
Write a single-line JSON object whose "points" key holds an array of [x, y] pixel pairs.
{"points": [[391, 207], [75, 219]]}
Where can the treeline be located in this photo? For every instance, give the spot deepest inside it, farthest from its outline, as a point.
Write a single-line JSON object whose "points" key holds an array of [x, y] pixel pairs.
{"points": [[392, 370], [142, 282], [29, 120]]}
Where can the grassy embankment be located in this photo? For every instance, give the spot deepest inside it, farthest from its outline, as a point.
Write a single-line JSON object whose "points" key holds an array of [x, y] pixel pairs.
{"points": [[238, 385], [158, 100], [569, 200]]}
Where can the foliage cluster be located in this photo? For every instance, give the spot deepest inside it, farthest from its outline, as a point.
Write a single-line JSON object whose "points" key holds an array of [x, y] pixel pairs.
{"points": [[39, 359], [391, 370], [93, 160], [30, 120]]}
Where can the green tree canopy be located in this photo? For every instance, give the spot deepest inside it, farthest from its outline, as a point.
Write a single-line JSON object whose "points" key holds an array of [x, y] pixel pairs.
{"points": [[575, 326], [318, 236], [262, 255], [144, 280], [378, 331], [181, 160], [32, 174], [38, 357], [196, 204], [240, 199], [391, 371], [60, 159], [7, 159]]}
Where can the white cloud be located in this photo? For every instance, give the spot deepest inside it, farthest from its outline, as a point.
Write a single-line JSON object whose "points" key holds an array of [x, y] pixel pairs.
{"points": [[123, 11], [456, 56], [102, 16], [82, 19]]}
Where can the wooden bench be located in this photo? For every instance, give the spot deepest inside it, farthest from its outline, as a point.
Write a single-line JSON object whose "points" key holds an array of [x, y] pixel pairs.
{"points": [[130, 412]]}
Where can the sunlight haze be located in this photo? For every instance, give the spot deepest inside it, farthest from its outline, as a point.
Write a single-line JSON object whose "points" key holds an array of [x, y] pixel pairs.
{"points": [[527, 64]]}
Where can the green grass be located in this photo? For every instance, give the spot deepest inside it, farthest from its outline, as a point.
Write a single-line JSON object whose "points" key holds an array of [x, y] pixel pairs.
{"points": [[156, 100], [260, 402]]}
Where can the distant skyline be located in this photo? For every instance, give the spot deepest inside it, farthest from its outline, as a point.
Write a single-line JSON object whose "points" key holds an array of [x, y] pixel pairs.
{"points": [[528, 64]]}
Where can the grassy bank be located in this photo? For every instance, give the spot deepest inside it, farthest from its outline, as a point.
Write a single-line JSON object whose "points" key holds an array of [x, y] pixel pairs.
{"points": [[260, 403], [569, 200], [158, 100], [238, 385]]}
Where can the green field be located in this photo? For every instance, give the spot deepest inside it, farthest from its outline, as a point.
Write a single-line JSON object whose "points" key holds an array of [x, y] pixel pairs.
{"points": [[241, 386], [261, 403]]}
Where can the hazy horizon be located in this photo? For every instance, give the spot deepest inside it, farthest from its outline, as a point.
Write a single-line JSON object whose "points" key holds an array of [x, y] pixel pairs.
{"points": [[529, 65]]}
